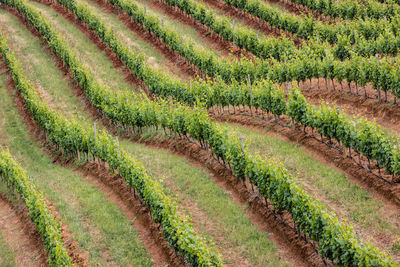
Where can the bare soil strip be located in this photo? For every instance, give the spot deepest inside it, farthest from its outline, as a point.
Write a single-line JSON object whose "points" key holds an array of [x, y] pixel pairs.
{"points": [[21, 235], [304, 251], [214, 40], [390, 194], [161, 253], [251, 21]]}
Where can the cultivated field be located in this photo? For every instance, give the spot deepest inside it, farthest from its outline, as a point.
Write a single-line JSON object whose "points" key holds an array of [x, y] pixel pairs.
{"points": [[199, 133]]}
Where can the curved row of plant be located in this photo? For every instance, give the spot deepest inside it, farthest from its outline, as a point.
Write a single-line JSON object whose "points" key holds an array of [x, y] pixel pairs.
{"points": [[336, 241], [70, 136], [313, 61], [348, 9], [307, 27], [259, 95], [39, 212], [261, 46], [382, 74], [207, 62], [366, 37], [387, 1]]}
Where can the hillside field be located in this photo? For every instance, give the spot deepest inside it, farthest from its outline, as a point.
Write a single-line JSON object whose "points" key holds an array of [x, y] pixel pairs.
{"points": [[199, 133]]}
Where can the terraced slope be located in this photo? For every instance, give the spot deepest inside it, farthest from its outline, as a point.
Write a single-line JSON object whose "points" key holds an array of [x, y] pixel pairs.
{"points": [[232, 196]]}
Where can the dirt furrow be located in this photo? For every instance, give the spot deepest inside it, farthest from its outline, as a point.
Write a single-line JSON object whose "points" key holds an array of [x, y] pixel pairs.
{"points": [[21, 235], [300, 10], [212, 39], [290, 242], [161, 253], [384, 191], [252, 21], [384, 113]]}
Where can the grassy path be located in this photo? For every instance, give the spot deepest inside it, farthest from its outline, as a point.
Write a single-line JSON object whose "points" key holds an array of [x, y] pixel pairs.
{"points": [[98, 225], [250, 247], [89, 53], [321, 180], [84, 48], [184, 30], [371, 216]]}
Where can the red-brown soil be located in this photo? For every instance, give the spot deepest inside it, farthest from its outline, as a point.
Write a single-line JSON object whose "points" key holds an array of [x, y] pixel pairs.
{"points": [[390, 193], [212, 39], [21, 234], [292, 246], [252, 21], [154, 242], [385, 113]]}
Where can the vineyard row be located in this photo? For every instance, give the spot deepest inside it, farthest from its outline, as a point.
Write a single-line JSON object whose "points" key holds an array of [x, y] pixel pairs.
{"points": [[336, 241]]}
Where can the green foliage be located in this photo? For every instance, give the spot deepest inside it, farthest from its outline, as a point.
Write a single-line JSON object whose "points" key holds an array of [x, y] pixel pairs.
{"points": [[289, 63], [260, 95], [70, 136], [307, 27], [361, 135], [39, 212], [349, 9], [336, 240]]}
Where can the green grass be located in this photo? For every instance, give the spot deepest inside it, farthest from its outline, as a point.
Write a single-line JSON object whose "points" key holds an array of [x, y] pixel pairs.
{"points": [[38, 66], [234, 21], [247, 242], [88, 52], [229, 220], [155, 58], [322, 180], [317, 178], [187, 32], [97, 224]]}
